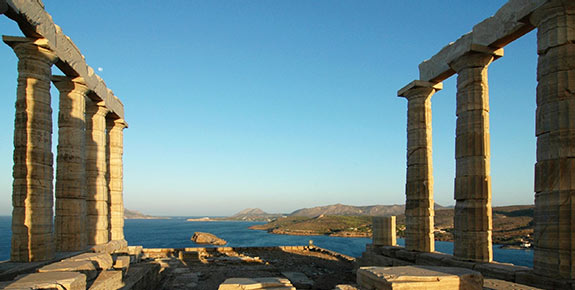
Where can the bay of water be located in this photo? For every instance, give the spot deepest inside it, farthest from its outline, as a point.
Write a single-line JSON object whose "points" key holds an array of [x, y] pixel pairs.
{"points": [[176, 233]]}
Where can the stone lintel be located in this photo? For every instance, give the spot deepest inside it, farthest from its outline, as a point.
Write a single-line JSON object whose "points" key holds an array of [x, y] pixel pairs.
{"points": [[59, 78], [437, 69], [35, 22], [419, 84]]}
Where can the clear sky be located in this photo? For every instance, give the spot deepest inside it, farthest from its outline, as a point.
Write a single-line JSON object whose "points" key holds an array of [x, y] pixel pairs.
{"points": [[281, 104]]}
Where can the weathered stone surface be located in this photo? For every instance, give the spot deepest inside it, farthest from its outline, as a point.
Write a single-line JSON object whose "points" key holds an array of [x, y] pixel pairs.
{"points": [[256, 283], [418, 277], [490, 283], [70, 221], [419, 180], [32, 221], [115, 143], [207, 238], [554, 229], [473, 217], [102, 261], [384, 233], [108, 280], [500, 271], [122, 263], [116, 246], [54, 280], [96, 167], [85, 267], [299, 280]]}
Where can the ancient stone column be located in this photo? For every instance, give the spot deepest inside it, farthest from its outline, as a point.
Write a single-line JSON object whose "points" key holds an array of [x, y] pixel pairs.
{"points": [[554, 233], [419, 180], [32, 197], [116, 175], [473, 217], [70, 218], [96, 173], [383, 231]]}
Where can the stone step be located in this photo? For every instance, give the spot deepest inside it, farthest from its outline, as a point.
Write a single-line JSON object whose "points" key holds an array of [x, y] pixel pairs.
{"points": [[49, 280]]}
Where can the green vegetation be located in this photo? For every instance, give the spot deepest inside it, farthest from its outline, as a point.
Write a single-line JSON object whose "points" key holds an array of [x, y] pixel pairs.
{"points": [[322, 225]]}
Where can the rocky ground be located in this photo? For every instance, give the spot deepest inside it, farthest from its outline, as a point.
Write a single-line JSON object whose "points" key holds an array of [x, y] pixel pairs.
{"points": [[312, 269]]}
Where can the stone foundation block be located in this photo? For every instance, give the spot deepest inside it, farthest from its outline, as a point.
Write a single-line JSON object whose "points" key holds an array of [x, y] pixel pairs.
{"points": [[431, 259], [299, 280], [102, 261], [500, 271], [85, 267], [122, 263], [256, 283], [532, 279], [418, 277], [410, 256], [54, 280], [108, 280]]}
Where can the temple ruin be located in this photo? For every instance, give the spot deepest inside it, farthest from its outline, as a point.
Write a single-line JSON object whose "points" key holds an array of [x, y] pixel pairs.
{"points": [[88, 215], [469, 58], [88, 179]]}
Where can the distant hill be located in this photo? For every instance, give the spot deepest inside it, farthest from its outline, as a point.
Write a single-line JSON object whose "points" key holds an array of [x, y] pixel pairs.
{"points": [[250, 212], [132, 214], [350, 210]]}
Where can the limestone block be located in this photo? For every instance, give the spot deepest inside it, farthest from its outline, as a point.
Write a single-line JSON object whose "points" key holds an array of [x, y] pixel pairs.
{"points": [[384, 232], [555, 26], [532, 279], [555, 116], [473, 245], [473, 186], [556, 145], [452, 261], [555, 87], [556, 60], [387, 250], [418, 277], [84, 267], [54, 280], [122, 263], [256, 283], [431, 259], [407, 255], [500, 271], [108, 280], [473, 215], [102, 261], [299, 280], [555, 175]]}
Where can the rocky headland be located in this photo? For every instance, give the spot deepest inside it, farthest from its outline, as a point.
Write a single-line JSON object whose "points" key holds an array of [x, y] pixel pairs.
{"points": [[132, 214], [207, 238], [512, 225]]}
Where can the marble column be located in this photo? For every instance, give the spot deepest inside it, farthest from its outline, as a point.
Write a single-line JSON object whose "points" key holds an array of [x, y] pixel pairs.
{"points": [[419, 203], [116, 175], [383, 231], [554, 233], [473, 214], [96, 174], [70, 218], [32, 196]]}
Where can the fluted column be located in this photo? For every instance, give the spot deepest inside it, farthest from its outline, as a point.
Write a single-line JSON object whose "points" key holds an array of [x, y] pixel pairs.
{"points": [[419, 203], [116, 175], [32, 196], [70, 218], [96, 173], [554, 233], [473, 214]]}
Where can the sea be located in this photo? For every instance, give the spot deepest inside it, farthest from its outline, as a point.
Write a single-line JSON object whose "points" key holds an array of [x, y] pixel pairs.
{"points": [[176, 233]]}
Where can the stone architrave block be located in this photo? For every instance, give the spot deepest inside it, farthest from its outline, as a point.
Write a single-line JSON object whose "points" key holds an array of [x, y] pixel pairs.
{"points": [[85, 267], [52, 280], [102, 261], [418, 277]]}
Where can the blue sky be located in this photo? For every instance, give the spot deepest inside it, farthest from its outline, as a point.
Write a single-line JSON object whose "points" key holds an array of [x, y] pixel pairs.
{"points": [[282, 104]]}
